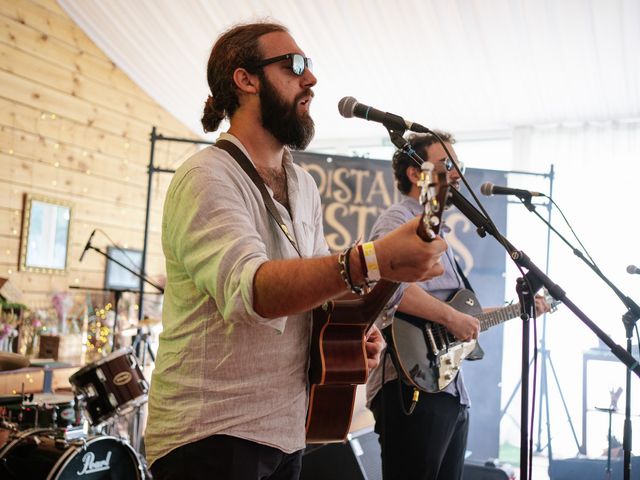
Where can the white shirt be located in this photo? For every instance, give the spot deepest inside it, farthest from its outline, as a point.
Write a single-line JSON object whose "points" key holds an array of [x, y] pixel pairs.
{"points": [[222, 368]]}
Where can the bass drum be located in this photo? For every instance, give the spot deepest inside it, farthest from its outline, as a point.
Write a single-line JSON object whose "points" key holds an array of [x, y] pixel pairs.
{"points": [[43, 455]]}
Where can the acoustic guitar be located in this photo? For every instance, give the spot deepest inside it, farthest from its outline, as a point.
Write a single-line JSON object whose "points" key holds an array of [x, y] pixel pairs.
{"points": [[338, 359]]}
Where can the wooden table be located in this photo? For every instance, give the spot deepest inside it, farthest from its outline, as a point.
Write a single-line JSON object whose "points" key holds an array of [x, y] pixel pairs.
{"points": [[37, 379]]}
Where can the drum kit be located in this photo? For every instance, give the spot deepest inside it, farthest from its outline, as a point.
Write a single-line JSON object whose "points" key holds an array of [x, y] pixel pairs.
{"points": [[70, 436]]}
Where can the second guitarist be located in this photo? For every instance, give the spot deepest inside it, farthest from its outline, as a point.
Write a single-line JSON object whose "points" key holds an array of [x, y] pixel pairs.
{"points": [[431, 442]]}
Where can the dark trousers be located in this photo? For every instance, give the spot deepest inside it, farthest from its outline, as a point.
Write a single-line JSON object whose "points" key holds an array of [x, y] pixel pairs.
{"points": [[221, 457], [430, 443]]}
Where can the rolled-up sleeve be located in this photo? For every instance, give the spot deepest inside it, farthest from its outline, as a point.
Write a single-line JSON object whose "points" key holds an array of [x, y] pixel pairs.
{"points": [[211, 233]]}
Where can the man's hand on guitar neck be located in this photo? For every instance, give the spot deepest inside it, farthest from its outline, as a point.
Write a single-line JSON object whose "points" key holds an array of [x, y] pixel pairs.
{"points": [[374, 345], [542, 306]]}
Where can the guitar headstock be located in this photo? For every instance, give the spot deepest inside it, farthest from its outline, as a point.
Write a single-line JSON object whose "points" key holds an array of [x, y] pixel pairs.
{"points": [[434, 189]]}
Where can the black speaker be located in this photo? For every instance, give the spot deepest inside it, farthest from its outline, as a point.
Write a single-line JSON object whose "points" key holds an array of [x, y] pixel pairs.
{"points": [[334, 460], [481, 472], [590, 469], [356, 459]]}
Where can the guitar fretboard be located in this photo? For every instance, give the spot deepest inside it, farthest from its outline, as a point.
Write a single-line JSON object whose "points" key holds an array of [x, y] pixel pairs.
{"points": [[491, 319]]}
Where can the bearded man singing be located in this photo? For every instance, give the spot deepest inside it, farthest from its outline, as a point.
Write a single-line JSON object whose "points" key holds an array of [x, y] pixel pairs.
{"points": [[228, 395]]}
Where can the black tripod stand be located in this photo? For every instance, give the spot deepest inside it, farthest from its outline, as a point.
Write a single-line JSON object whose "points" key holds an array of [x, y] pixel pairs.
{"points": [[629, 319], [612, 408], [546, 363]]}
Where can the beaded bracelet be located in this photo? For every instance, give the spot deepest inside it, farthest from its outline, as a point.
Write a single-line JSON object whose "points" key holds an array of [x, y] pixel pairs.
{"points": [[345, 273]]}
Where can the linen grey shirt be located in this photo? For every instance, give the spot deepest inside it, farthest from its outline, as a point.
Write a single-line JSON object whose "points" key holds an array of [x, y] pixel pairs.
{"points": [[221, 368], [441, 287]]}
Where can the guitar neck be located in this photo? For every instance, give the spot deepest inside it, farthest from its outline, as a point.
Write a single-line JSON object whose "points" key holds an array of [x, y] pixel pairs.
{"points": [[496, 317], [377, 299]]}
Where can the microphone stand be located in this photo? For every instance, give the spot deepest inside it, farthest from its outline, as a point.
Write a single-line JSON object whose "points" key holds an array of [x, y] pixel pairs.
{"points": [[629, 320], [143, 279], [135, 428], [537, 277]]}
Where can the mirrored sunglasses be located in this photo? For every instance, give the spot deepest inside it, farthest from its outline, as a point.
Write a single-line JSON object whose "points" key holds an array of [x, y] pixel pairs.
{"points": [[448, 164], [298, 62]]}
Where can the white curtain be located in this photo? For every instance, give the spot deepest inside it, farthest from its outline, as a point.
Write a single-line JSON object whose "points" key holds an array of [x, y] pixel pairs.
{"points": [[597, 185]]}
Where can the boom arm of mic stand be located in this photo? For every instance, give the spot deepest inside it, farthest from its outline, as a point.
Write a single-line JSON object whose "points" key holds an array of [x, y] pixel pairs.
{"points": [[480, 221], [137, 274]]}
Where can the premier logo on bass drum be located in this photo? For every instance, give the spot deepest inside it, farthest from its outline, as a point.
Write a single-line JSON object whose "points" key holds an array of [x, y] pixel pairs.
{"points": [[122, 378], [91, 466]]}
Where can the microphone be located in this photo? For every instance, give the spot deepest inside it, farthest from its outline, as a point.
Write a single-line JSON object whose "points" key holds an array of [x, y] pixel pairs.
{"points": [[632, 269], [350, 107], [86, 247], [489, 189]]}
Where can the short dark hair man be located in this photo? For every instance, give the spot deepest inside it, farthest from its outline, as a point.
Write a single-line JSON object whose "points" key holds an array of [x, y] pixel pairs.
{"points": [[429, 443]]}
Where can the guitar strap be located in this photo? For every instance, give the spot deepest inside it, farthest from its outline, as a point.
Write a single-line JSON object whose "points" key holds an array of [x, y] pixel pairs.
{"points": [[248, 167], [478, 352], [464, 278]]}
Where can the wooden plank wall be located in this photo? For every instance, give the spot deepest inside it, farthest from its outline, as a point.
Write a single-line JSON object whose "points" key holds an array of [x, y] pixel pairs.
{"points": [[75, 127]]}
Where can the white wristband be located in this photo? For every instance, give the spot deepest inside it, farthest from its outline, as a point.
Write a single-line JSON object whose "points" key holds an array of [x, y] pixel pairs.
{"points": [[373, 270]]}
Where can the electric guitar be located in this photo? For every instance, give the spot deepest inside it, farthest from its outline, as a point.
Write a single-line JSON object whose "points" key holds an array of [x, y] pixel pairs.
{"points": [[338, 359], [428, 355]]}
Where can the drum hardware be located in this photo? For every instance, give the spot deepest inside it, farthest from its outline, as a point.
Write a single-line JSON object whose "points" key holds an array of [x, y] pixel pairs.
{"points": [[111, 386], [62, 436], [46, 410], [141, 344], [109, 389]]}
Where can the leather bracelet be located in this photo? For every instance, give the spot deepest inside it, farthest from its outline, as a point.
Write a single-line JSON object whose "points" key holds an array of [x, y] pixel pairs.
{"points": [[363, 263]]}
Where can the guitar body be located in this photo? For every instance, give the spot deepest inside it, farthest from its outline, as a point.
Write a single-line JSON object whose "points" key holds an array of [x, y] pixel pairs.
{"points": [[427, 354], [338, 363]]}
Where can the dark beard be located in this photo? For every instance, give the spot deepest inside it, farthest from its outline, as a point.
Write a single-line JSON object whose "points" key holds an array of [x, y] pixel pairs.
{"points": [[282, 120]]}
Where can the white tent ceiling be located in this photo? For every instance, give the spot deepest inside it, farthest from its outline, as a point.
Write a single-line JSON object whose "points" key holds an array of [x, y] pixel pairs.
{"points": [[464, 65]]}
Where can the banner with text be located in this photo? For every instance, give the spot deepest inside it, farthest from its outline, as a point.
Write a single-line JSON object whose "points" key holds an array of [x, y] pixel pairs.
{"points": [[356, 190]]}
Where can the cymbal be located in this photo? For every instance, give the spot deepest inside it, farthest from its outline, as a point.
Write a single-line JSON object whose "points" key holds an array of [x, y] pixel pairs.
{"points": [[12, 361]]}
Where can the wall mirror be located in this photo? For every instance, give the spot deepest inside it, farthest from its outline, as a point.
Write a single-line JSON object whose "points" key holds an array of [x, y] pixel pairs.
{"points": [[44, 245]]}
